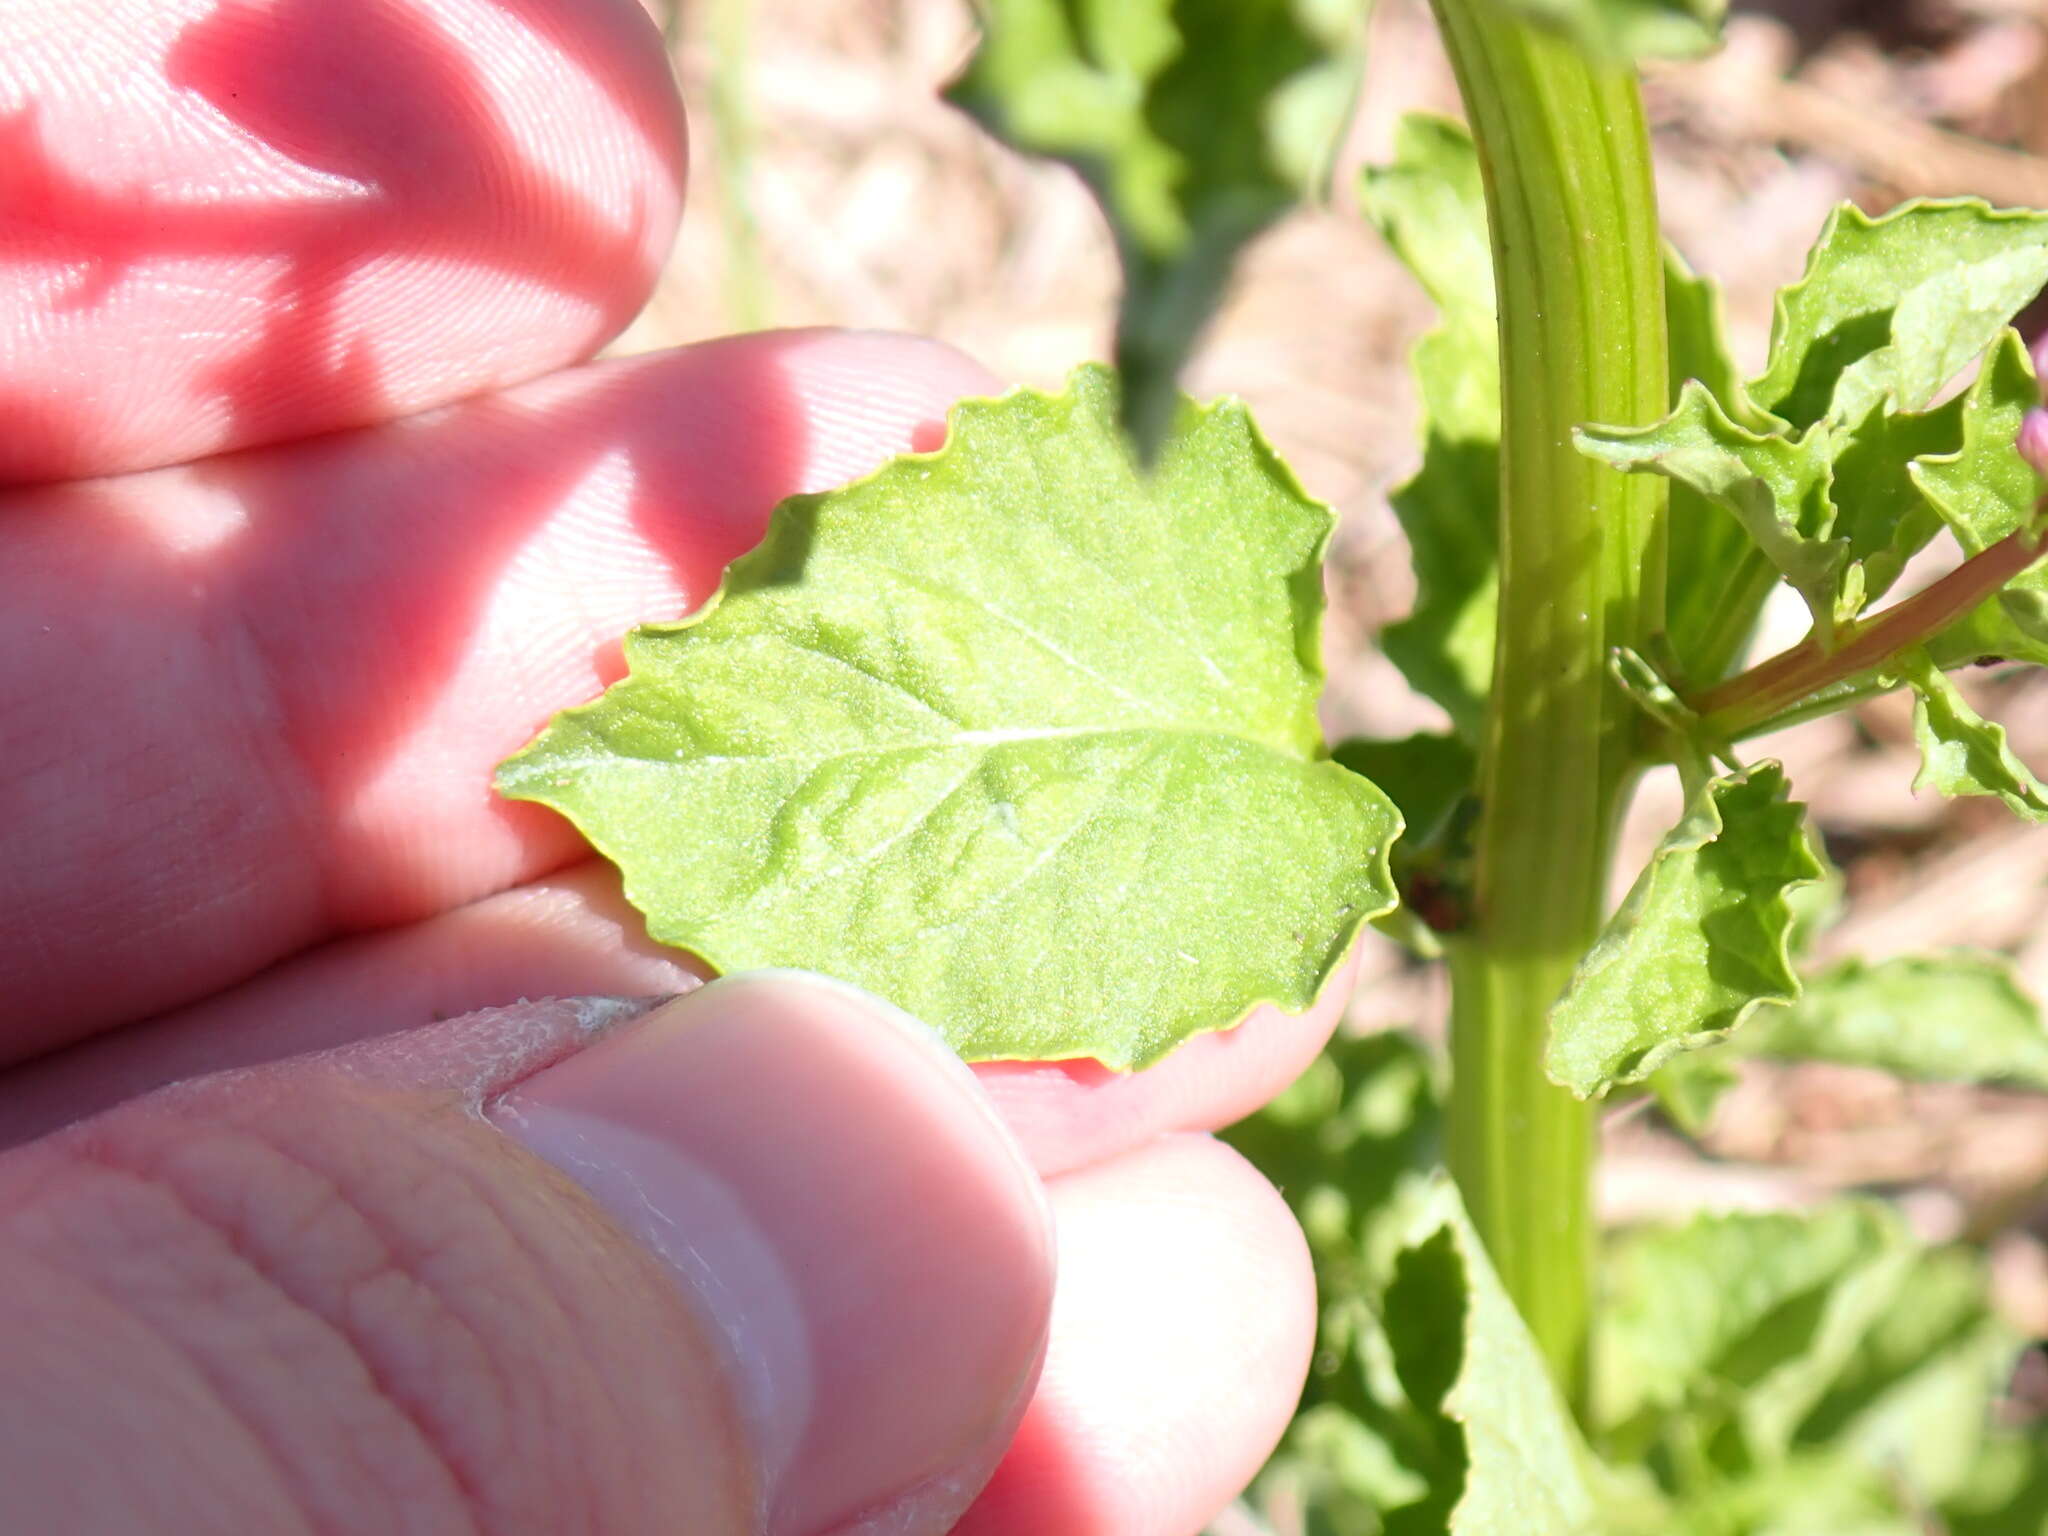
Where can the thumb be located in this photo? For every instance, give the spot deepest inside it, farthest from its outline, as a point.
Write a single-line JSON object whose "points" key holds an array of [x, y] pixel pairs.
{"points": [[760, 1260]]}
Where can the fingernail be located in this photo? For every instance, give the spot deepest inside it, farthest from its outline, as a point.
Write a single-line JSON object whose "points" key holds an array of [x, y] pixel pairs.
{"points": [[829, 1186]]}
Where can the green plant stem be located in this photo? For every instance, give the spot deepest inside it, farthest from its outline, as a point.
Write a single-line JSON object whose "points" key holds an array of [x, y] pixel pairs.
{"points": [[1577, 266]]}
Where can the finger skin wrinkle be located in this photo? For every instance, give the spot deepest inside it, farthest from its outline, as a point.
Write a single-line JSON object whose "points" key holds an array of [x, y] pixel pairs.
{"points": [[91, 1462], [369, 1273], [342, 1452]]}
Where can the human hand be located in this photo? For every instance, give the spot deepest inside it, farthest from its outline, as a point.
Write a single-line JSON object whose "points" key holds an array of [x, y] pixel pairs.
{"points": [[798, 1278]]}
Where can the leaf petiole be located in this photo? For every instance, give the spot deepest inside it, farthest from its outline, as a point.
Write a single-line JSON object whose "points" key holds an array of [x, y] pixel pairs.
{"points": [[1761, 696]]}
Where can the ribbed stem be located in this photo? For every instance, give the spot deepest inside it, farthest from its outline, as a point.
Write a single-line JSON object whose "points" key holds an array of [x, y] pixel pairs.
{"points": [[1579, 275]]}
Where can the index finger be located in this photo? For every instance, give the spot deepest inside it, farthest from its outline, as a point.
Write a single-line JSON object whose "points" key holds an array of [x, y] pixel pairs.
{"points": [[232, 221]]}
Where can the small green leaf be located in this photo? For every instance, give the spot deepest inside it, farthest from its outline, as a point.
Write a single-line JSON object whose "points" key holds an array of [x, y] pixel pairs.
{"points": [[1009, 734], [1954, 1018], [1196, 123], [1985, 490], [1630, 29], [1962, 753], [1892, 308], [1881, 509], [1699, 944], [1430, 206], [1777, 489]]}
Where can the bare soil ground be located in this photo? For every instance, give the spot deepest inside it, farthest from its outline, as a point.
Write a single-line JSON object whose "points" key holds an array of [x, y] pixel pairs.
{"points": [[873, 204]]}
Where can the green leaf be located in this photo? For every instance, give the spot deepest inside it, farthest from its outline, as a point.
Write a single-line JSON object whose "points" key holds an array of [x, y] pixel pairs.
{"points": [[1882, 512], [1514, 1462], [1630, 29], [1009, 734], [1824, 458], [1701, 1314], [1777, 489], [1985, 490], [1954, 1018], [1430, 206], [1699, 944], [1525, 1463], [1196, 123], [1962, 753], [1892, 308], [1718, 579], [1428, 1408], [1814, 1374]]}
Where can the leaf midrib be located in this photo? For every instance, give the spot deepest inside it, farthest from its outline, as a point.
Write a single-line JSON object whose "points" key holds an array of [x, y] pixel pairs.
{"points": [[611, 755]]}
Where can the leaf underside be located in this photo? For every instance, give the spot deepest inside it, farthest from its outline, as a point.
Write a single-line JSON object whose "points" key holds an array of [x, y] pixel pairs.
{"points": [[1011, 734]]}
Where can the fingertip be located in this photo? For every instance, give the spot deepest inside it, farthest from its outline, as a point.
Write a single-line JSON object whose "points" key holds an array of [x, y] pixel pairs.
{"points": [[1181, 1336]]}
